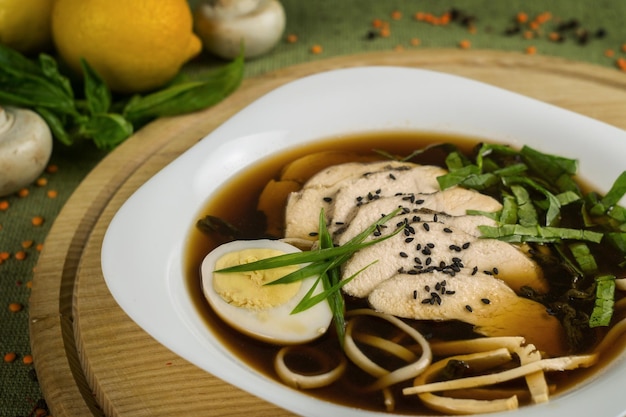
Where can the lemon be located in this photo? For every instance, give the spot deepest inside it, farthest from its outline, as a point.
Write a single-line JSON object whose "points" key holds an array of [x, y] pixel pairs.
{"points": [[25, 24], [134, 45]]}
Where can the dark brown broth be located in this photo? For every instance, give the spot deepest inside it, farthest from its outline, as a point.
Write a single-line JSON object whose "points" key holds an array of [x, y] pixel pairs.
{"points": [[236, 201]]}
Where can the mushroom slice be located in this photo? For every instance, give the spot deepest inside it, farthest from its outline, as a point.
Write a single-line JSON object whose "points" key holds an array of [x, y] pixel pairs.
{"points": [[454, 201], [481, 300], [303, 207], [432, 246]]}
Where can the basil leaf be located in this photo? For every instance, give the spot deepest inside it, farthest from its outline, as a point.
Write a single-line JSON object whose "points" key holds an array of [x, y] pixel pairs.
{"points": [[107, 130], [50, 70], [603, 308], [187, 96], [97, 93], [526, 213], [549, 167], [519, 233], [584, 258]]}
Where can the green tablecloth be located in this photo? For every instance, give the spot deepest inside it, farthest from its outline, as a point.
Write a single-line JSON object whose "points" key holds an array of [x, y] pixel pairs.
{"points": [[339, 28]]}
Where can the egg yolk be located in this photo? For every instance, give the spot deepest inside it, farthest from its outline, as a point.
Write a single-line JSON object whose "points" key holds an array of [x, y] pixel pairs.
{"points": [[248, 289]]}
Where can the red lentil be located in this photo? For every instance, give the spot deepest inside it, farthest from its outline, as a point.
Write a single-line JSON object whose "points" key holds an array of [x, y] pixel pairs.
{"points": [[5, 255], [316, 49], [37, 221], [15, 307], [415, 42], [521, 17], [465, 44], [27, 359], [531, 50], [396, 15], [20, 255], [9, 357], [4, 205], [292, 38], [609, 53], [23, 192], [39, 247], [52, 168], [52, 193], [42, 182], [621, 63], [27, 244]]}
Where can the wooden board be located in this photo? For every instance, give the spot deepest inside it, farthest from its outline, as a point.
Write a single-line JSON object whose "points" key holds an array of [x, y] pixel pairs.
{"points": [[91, 359]]}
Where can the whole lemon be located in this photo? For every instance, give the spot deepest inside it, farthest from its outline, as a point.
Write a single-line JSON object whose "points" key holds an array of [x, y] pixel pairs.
{"points": [[25, 24], [134, 45]]}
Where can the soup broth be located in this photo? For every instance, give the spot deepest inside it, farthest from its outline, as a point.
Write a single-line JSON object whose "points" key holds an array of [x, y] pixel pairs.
{"points": [[236, 203]]}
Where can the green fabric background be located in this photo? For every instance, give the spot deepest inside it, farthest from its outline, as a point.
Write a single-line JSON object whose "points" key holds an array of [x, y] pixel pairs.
{"points": [[341, 28]]}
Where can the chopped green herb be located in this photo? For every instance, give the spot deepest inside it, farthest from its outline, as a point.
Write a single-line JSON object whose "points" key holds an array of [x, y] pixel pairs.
{"points": [[603, 308]]}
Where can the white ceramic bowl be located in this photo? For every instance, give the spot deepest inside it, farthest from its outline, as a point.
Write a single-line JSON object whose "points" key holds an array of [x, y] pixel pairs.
{"points": [[147, 281]]}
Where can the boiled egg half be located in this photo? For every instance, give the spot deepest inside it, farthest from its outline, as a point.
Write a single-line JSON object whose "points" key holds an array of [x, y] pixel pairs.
{"points": [[262, 311]]}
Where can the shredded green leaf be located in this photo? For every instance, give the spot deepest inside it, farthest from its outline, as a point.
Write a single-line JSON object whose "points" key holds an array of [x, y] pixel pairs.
{"points": [[603, 308]]}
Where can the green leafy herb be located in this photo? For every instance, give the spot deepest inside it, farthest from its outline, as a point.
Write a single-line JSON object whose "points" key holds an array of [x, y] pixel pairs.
{"points": [[517, 233], [603, 308], [584, 258], [40, 86]]}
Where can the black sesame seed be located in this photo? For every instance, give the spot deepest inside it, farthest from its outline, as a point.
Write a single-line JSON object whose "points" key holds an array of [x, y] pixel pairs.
{"points": [[339, 223], [313, 234], [408, 240], [417, 219], [466, 245], [417, 260], [426, 226], [328, 199], [414, 294], [447, 230], [427, 288], [418, 247], [485, 300], [435, 218], [430, 245], [469, 308], [426, 251], [474, 270], [392, 176], [419, 201], [495, 271], [404, 255], [428, 261], [450, 292], [412, 272]]}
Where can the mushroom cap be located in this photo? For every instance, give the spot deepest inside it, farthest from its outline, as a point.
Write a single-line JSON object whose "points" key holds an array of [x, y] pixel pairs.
{"points": [[25, 148]]}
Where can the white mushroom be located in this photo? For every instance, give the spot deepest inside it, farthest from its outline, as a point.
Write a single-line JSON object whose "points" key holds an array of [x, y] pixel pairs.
{"points": [[25, 148], [224, 24]]}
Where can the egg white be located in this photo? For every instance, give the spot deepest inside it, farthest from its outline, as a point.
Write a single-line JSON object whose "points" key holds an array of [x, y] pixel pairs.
{"points": [[273, 325]]}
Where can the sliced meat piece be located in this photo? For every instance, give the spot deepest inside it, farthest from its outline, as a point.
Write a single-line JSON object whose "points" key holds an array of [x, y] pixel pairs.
{"points": [[420, 205], [452, 201], [426, 246], [481, 300], [303, 207], [337, 173], [359, 192]]}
